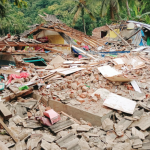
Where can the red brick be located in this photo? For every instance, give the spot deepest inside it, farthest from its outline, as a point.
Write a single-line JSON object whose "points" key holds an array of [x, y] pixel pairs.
{"points": [[29, 114]]}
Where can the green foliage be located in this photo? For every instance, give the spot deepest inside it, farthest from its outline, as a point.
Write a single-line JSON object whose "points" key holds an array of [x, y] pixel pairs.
{"points": [[2, 9], [137, 11], [4, 3], [18, 19]]}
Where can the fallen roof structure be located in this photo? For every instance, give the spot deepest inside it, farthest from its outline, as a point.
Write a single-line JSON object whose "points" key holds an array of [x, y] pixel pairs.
{"points": [[95, 101], [53, 24], [135, 33]]}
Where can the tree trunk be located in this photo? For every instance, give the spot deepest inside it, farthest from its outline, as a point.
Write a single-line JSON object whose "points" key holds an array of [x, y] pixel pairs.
{"points": [[83, 20], [84, 25], [111, 12], [128, 10], [3, 32]]}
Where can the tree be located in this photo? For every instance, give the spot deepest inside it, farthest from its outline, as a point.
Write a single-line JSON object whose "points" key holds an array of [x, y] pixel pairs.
{"points": [[111, 5], [114, 6], [138, 14], [3, 3], [80, 9], [128, 9], [2, 9]]}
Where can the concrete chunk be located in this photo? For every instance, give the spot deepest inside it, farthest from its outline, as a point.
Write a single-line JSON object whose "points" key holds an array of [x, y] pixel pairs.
{"points": [[45, 145], [83, 128], [137, 96], [119, 129], [137, 143], [138, 133], [143, 123], [107, 124], [125, 123], [3, 146], [110, 137], [122, 146], [145, 146], [83, 144]]}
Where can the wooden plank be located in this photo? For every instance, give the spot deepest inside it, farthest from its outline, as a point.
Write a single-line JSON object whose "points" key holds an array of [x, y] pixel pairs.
{"points": [[77, 113], [33, 44], [71, 117], [69, 71], [84, 52], [9, 131], [9, 72], [37, 28], [51, 49], [50, 76], [33, 79], [119, 36], [6, 113]]}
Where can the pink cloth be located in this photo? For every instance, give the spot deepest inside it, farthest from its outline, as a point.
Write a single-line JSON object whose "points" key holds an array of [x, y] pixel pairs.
{"points": [[80, 56], [44, 121], [86, 47], [14, 76]]}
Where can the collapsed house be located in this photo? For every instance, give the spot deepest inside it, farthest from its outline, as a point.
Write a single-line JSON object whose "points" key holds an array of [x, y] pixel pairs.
{"points": [[137, 32], [52, 100], [56, 32]]}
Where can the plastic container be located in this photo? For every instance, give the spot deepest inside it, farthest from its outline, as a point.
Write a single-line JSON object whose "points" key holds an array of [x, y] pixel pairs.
{"points": [[2, 86]]}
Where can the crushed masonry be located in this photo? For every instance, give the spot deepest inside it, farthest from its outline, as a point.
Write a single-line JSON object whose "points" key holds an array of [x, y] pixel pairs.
{"points": [[92, 94]]}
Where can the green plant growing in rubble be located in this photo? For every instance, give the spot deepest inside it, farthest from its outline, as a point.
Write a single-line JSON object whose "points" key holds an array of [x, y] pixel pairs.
{"points": [[80, 9]]}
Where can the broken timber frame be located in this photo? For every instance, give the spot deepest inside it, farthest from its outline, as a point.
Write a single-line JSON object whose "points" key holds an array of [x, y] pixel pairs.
{"points": [[84, 52], [8, 130], [119, 36]]}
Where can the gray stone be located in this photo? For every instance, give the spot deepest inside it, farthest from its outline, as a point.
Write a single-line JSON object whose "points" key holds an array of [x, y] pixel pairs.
{"points": [[45, 145], [107, 124], [137, 96], [122, 146], [137, 143]]}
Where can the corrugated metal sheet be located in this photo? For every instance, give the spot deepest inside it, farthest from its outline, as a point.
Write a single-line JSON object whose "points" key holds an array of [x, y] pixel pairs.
{"points": [[140, 24]]}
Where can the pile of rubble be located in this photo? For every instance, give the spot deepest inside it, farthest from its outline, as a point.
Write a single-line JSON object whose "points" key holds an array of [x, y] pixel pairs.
{"points": [[92, 103]]}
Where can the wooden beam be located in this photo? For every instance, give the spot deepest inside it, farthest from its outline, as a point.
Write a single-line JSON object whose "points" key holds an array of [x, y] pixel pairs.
{"points": [[34, 44], [53, 50], [9, 72], [9, 131], [37, 28], [119, 36], [47, 29], [85, 53], [6, 113]]}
